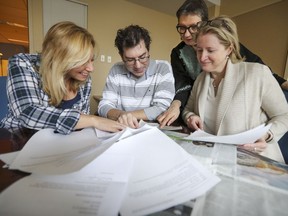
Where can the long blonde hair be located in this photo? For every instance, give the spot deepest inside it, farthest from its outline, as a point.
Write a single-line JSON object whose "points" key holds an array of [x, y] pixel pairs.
{"points": [[65, 47]]}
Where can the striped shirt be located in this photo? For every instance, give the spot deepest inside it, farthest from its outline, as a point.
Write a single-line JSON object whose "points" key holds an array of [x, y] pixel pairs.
{"points": [[28, 105], [152, 92]]}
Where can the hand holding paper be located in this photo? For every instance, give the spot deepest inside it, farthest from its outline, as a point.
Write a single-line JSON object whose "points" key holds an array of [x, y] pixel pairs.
{"points": [[249, 136]]}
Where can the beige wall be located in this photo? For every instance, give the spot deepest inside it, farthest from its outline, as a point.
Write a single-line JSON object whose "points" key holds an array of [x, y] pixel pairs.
{"points": [[265, 32]]}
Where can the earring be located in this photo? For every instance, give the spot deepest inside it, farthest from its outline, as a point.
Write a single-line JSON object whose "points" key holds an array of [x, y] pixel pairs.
{"points": [[227, 57]]}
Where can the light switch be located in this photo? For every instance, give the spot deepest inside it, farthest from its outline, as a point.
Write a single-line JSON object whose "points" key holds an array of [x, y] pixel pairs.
{"points": [[102, 58], [109, 59]]}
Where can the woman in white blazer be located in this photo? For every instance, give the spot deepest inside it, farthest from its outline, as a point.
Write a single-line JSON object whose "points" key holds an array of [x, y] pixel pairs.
{"points": [[231, 96]]}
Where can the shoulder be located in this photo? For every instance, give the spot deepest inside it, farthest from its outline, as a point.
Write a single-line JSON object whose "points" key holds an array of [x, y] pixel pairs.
{"points": [[163, 63], [118, 69], [161, 66], [253, 67], [24, 57], [25, 60], [249, 55], [179, 46], [24, 64], [253, 71]]}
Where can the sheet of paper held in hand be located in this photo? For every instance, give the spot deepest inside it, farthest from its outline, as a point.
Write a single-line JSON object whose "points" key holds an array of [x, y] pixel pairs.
{"points": [[97, 189], [249, 136]]}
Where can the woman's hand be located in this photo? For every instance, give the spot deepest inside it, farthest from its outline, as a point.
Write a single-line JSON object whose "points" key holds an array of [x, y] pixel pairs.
{"points": [[170, 115], [108, 124], [194, 122], [259, 146]]}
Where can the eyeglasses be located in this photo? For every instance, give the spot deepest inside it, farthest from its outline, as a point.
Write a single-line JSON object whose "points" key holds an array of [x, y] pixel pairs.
{"points": [[214, 23], [141, 59], [182, 29]]}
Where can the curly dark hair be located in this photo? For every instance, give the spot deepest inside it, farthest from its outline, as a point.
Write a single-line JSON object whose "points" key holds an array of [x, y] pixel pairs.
{"points": [[131, 36]]}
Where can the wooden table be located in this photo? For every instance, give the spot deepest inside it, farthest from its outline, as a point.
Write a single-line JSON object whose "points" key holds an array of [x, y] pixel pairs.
{"points": [[230, 191], [11, 141]]}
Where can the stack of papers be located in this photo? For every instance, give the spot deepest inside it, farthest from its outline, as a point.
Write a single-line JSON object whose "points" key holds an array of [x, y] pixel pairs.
{"points": [[134, 172]]}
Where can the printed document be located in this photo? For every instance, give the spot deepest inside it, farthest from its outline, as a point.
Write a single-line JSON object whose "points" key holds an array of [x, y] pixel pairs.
{"points": [[238, 198], [97, 189], [163, 175], [249, 136], [50, 153]]}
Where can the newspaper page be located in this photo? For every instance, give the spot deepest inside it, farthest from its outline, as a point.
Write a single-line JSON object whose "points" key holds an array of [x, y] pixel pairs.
{"points": [[238, 198]]}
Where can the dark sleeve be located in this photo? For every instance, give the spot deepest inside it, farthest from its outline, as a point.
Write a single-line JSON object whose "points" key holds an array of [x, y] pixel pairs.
{"points": [[251, 57], [183, 82]]}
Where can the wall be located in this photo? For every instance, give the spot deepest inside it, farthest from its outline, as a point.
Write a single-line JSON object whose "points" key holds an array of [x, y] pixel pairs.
{"points": [[265, 32], [104, 19]]}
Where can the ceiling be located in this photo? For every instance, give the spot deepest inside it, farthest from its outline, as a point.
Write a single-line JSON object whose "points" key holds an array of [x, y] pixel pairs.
{"points": [[230, 8], [14, 22], [165, 6]]}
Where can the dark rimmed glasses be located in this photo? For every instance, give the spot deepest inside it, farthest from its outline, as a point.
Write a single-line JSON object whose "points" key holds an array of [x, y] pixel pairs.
{"points": [[214, 23], [182, 29], [141, 59]]}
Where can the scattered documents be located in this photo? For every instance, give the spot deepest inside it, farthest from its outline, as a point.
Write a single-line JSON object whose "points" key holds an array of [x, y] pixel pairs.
{"points": [[238, 198], [249, 136], [97, 189], [51, 153], [163, 175], [67, 171]]}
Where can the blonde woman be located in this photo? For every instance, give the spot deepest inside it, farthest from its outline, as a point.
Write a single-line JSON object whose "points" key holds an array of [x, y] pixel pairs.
{"points": [[52, 89], [231, 96]]}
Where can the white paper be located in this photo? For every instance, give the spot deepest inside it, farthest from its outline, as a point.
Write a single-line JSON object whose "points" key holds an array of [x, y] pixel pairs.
{"points": [[51, 153], [105, 136], [97, 189], [249, 136], [202, 153], [238, 198], [47, 152], [164, 174], [8, 158]]}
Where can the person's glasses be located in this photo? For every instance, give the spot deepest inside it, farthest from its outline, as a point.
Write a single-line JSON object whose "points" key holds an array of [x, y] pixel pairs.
{"points": [[214, 23], [141, 59], [182, 29]]}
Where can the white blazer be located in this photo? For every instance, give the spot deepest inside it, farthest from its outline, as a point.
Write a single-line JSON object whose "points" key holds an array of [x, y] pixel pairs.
{"points": [[251, 96]]}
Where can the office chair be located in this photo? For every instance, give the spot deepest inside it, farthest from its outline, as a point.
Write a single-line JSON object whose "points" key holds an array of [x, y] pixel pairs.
{"points": [[283, 142], [3, 97], [286, 94]]}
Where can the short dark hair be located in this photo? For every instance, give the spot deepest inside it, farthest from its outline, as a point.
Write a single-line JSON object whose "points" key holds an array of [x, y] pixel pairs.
{"points": [[131, 36], [193, 7]]}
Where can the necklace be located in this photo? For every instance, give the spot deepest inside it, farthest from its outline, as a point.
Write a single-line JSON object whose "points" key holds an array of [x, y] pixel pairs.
{"points": [[214, 84]]}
